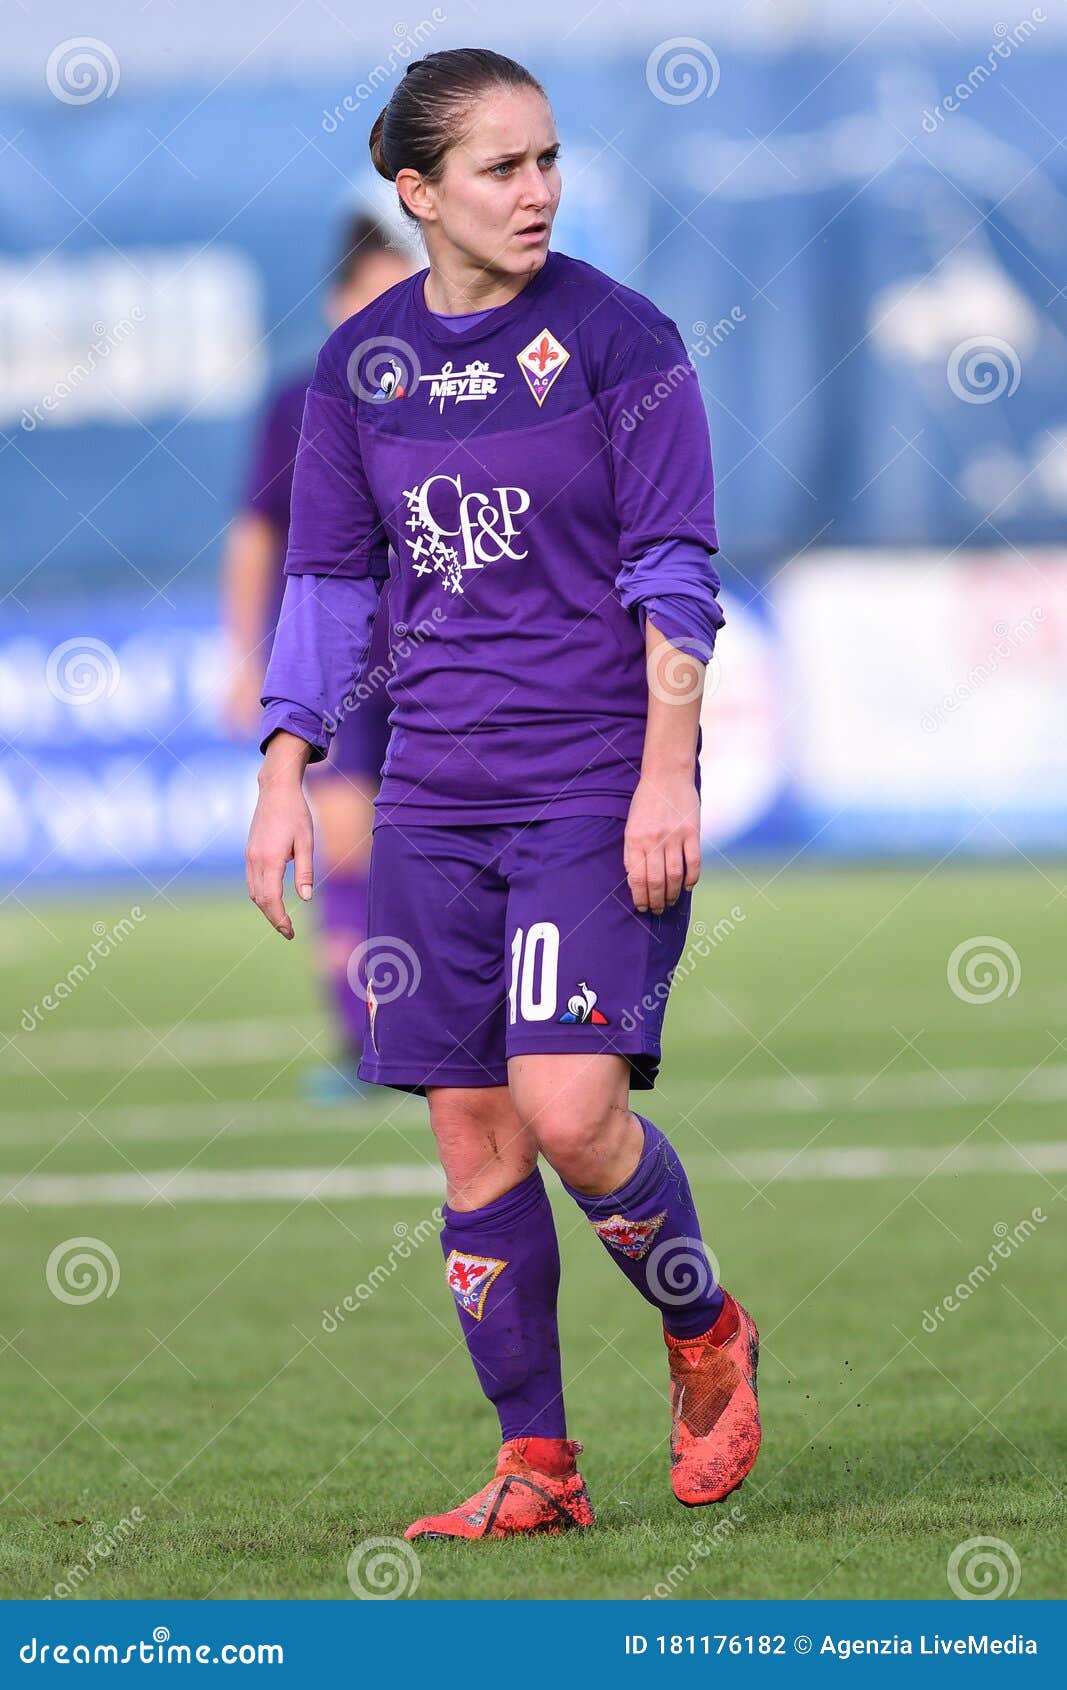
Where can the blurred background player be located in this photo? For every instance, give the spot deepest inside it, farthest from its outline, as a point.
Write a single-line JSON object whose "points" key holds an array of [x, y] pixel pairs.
{"points": [[342, 790]]}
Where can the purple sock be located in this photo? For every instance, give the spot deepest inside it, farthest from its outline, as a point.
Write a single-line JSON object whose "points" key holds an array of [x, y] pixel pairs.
{"points": [[502, 1267], [343, 913], [650, 1227]]}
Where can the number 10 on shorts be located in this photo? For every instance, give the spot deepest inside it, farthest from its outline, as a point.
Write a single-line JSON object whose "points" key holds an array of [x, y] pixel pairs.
{"points": [[534, 972]]}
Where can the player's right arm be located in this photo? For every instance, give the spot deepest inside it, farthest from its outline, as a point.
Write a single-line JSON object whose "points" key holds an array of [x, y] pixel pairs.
{"points": [[335, 565], [249, 562], [253, 550]]}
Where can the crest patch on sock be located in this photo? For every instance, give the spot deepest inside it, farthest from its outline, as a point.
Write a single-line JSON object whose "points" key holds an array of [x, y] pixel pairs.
{"points": [[630, 1238], [469, 1279]]}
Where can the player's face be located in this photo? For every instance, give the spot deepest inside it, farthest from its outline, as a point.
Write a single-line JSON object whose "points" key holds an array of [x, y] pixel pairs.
{"points": [[494, 205], [375, 273]]}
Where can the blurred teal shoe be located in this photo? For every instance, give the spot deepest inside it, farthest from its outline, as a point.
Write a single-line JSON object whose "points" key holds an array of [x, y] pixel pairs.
{"points": [[334, 1083]]}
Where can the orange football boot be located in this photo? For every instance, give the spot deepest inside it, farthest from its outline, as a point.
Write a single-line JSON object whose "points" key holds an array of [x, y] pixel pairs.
{"points": [[715, 1425], [521, 1496]]}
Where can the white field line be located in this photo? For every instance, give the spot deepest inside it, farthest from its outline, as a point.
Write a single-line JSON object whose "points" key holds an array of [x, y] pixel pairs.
{"points": [[252, 1039], [215, 1043], [862, 1162], [956, 1088]]}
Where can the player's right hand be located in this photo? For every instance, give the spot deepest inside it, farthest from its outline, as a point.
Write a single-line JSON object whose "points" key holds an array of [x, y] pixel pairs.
{"points": [[281, 833]]}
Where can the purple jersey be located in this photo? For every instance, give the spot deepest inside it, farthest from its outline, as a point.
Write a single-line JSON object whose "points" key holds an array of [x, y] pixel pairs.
{"points": [[269, 485], [513, 468]]}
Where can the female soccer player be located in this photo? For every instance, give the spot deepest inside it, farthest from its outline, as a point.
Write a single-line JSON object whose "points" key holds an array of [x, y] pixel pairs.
{"points": [[346, 785], [530, 439]]}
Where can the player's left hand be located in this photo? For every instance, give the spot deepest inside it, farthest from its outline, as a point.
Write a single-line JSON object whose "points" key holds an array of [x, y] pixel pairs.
{"points": [[661, 849]]}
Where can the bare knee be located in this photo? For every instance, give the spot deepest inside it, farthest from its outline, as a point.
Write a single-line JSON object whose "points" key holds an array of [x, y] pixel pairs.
{"points": [[484, 1148], [577, 1112], [595, 1151]]}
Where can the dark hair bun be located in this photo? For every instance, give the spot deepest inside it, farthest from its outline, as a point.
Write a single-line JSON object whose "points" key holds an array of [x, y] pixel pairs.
{"points": [[377, 147]]}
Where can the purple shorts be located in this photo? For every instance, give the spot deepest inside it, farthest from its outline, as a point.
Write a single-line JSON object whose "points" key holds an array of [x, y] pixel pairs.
{"points": [[508, 939]]}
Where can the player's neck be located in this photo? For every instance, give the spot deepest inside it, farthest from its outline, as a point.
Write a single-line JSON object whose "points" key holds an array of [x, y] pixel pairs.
{"points": [[458, 291]]}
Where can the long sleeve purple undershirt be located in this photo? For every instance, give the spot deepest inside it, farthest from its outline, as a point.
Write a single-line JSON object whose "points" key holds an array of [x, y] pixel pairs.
{"points": [[324, 633], [318, 657], [678, 586]]}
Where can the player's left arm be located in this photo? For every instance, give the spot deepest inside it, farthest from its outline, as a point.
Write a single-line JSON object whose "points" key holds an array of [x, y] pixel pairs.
{"points": [[661, 851], [657, 430]]}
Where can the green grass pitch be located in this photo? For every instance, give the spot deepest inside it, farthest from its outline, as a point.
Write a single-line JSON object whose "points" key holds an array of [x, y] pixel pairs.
{"points": [[850, 1124]]}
